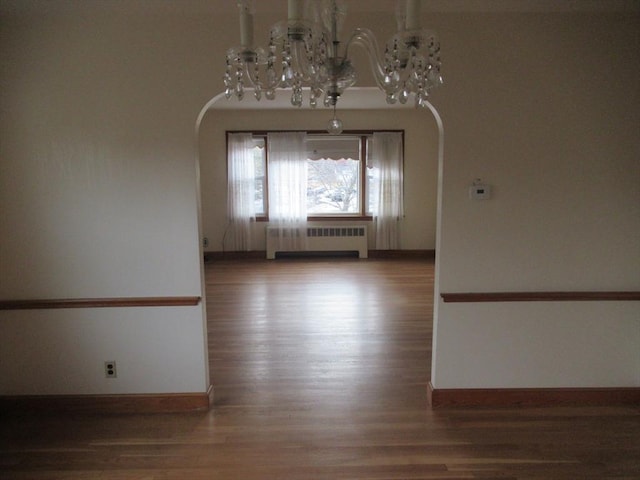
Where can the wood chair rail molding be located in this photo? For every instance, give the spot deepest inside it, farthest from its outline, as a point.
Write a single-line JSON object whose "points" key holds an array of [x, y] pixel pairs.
{"points": [[539, 297], [52, 304]]}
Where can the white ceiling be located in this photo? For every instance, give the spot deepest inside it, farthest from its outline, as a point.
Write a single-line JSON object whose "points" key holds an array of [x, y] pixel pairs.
{"points": [[354, 98], [453, 5], [280, 6]]}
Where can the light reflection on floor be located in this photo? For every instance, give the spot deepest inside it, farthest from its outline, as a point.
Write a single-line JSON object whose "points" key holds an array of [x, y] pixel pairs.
{"points": [[326, 331]]}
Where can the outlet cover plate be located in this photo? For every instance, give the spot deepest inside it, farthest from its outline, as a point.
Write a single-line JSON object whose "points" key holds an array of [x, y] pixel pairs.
{"points": [[110, 369]]}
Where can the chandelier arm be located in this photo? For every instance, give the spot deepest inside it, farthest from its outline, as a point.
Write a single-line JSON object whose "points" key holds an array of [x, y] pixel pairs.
{"points": [[299, 56], [365, 38], [250, 72], [257, 75]]}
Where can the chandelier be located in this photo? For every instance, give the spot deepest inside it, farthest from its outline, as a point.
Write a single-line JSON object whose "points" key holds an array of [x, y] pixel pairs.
{"points": [[305, 53]]}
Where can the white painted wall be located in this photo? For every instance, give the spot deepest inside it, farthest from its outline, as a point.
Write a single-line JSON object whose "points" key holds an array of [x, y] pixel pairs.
{"points": [[62, 352], [551, 119], [538, 344], [418, 227], [98, 194]]}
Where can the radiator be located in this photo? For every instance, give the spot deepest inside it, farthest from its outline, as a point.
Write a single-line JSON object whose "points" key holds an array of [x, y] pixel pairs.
{"points": [[325, 238]]}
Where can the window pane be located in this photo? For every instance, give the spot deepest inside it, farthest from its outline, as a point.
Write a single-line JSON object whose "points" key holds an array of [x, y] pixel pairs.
{"points": [[333, 187], [373, 183], [333, 175], [261, 185]]}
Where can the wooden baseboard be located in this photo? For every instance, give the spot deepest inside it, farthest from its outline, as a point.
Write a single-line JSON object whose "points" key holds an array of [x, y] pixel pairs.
{"points": [[531, 397], [261, 255], [253, 255], [417, 254], [94, 404]]}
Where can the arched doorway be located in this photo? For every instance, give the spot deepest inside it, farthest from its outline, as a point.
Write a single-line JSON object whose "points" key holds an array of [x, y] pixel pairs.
{"points": [[218, 109]]}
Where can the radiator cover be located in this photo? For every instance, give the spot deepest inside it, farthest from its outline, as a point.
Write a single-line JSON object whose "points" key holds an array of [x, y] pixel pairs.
{"points": [[325, 238]]}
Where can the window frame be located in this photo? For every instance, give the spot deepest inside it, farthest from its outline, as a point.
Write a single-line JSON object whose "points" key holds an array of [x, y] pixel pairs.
{"points": [[365, 135]]}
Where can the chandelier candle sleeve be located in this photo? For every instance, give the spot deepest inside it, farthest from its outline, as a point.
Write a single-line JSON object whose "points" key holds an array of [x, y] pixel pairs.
{"points": [[295, 10], [413, 15], [246, 23]]}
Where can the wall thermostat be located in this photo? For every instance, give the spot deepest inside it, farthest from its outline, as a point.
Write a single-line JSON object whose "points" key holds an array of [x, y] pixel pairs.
{"points": [[479, 191]]}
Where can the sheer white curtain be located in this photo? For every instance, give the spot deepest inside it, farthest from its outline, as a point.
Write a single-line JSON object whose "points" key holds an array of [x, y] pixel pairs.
{"points": [[386, 157], [288, 188], [241, 189]]}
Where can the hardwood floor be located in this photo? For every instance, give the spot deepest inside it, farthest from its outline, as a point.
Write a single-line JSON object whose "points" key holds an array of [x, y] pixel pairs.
{"points": [[326, 336], [320, 370]]}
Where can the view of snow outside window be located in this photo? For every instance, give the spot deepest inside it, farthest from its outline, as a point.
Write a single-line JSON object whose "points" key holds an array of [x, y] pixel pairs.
{"points": [[333, 186], [261, 177]]}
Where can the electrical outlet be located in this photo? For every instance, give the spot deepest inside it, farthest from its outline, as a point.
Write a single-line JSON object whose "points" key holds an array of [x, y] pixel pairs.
{"points": [[205, 242], [110, 369]]}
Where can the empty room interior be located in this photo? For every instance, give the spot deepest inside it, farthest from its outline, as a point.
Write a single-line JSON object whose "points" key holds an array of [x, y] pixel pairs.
{"points": [[319, 239]]}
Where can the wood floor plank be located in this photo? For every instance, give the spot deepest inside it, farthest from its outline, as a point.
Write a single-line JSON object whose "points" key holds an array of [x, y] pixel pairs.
{"points": [[320, 369]]}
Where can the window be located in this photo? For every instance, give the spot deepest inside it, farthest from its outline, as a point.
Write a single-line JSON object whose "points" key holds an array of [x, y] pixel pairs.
{"points": [[334, 176], [340, 180], [289, 178]]}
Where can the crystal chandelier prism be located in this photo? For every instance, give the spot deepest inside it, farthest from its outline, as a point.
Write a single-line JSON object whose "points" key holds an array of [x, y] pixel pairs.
{"points": [[305, 52]]}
